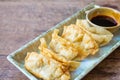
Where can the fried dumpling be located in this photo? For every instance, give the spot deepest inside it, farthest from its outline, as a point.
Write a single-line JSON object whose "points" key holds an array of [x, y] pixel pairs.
{"points": [[73, 33], [62, 47], [45, 67], [84, 42], [101, 35], [46, 51]]}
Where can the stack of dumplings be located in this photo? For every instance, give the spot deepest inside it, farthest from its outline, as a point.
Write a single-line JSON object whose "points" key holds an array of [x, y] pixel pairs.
{"points": [[63, 54]]}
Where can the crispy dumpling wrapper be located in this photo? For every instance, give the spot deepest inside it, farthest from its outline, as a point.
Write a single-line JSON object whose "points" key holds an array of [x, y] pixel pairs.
{"points": [[83, 42], [45, 67], [73, 65], [101, 35], [62, 47]]}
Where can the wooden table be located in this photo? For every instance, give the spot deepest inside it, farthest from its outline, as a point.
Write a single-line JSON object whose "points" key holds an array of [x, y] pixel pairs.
{"points": [[23, 20]]}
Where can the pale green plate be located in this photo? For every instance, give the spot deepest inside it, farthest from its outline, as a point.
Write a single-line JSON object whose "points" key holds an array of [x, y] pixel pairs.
{"points": [[17, 57]]}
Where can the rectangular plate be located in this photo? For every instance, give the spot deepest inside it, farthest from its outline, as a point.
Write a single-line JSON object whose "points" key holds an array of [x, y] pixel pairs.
{"points": [[17, 57]]}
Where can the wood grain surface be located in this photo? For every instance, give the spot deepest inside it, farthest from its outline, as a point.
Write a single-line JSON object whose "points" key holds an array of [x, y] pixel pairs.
{"points": [[23, 20]]}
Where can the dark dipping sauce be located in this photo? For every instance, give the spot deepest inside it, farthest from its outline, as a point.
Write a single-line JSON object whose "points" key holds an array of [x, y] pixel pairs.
{"points": [[105, 21]]}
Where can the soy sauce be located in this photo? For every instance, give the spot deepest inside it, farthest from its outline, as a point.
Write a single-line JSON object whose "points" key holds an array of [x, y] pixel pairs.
{"points": [[105, 21]]}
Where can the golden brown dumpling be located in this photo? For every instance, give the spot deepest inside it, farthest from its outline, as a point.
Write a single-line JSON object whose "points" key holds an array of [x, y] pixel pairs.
{"points": [[84, 42], [47, 52], [101, 35], [45, 67], [62, 47]]}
